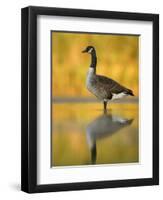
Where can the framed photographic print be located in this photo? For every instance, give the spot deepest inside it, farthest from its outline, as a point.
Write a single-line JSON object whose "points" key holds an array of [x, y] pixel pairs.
{"points": [[90, 99]]}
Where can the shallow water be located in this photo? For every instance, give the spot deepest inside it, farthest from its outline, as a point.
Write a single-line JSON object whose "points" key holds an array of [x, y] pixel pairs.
{"points": [[82, 134]]}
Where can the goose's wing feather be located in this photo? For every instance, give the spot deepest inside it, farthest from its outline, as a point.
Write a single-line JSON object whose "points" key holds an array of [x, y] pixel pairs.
{"points": [[111, 86]]}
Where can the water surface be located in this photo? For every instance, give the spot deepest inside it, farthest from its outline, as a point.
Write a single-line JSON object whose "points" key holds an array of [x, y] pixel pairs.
{"points": [[82, 134]]}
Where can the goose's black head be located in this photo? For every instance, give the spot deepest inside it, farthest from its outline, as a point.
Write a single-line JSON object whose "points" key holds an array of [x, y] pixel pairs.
{"points": [[89, 49]]}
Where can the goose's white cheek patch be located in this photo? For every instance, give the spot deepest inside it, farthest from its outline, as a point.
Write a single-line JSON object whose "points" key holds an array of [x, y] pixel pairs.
{"points": [[90, 50]]}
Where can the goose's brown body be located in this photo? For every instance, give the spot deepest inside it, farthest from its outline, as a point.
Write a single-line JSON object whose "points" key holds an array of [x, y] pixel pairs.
{"points": [[105, 88]]}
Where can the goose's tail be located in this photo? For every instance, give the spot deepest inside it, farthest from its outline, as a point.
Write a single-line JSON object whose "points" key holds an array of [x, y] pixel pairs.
{"points": [[129, 92]]}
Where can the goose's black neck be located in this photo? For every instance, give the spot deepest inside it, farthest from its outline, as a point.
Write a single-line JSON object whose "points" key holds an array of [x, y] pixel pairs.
{"points": [[93, 60]]}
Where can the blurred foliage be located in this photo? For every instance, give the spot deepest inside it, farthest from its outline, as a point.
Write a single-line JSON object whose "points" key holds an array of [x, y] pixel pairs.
{"points": [[69, 141], [118, 58]]}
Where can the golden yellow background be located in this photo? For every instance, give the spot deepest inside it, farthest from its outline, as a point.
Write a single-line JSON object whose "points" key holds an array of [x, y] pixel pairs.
{"points": [[117, 58]]}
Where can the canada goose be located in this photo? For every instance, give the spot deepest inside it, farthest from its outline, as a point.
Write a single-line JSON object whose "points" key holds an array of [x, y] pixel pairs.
{"points": [[103, 126], [102, 87]]}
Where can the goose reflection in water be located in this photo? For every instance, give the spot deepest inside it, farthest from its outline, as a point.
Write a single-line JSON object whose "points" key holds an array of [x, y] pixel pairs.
{"points": [[103, 126]]}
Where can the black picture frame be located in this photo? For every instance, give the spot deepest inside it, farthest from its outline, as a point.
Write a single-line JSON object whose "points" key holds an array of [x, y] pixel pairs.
{"points": [[29, 98]]}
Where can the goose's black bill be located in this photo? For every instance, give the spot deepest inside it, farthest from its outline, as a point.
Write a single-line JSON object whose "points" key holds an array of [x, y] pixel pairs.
{"points": [[84, 51]]}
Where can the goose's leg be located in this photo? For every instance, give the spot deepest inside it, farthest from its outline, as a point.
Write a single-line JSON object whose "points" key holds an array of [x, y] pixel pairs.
{"points": [[105, 106]]}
